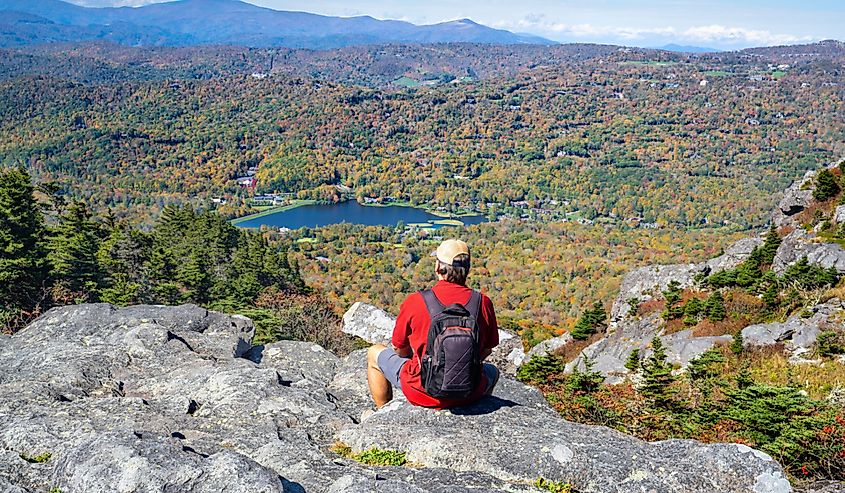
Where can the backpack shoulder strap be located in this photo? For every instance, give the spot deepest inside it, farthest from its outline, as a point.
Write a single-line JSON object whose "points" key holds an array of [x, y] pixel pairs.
{"points": [[474, 304], [435, 307]]}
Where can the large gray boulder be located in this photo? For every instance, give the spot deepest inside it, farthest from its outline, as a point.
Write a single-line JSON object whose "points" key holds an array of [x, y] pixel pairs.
{"points": [[517, 438], [549, 346], [795, 199], [799, 244], [798, 332], [368, 322]]}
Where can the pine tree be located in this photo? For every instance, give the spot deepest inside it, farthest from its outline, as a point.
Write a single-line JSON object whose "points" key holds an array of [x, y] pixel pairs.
{"points": [[770, 246], [715, 307], [657, 377], [22, 255], [738, 344], [590, 321], [672, 295], [826, 186], [73, 248], [633, 361], [586, 381]]}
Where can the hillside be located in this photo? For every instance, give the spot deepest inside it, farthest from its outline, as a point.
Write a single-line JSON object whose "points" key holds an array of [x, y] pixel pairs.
{"points": [[155, 397], [230, 22]]}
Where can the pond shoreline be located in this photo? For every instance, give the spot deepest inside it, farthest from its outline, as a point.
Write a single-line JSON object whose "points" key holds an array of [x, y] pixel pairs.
{"points": [[446, 218]]}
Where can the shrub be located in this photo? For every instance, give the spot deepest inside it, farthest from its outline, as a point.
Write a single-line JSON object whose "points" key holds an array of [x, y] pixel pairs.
{"points": [[585, 381], [371, 457], [830, 343], [378, 457], [589, 322], [738, 343], [541, 369], [827, 186], [37, 459], [804, 275], [553, 486], [633, 361]]}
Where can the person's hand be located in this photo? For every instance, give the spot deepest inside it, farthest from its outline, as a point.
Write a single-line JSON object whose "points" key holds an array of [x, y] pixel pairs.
{"points": [[403, 352]]}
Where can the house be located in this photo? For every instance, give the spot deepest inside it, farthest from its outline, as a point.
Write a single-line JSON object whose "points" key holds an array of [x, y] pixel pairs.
{"points": [[246, 181]]}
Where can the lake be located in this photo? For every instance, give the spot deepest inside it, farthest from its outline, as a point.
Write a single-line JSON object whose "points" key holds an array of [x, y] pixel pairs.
{"points": [[316, 215]]}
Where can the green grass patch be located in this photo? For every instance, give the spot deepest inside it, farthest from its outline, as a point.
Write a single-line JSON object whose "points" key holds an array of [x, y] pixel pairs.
{"points": [[553, 486], [307, 240], [37, 459], [272, 210], [717, 73], [407, 82], [777, 74], [371, 457], [448, 222]]}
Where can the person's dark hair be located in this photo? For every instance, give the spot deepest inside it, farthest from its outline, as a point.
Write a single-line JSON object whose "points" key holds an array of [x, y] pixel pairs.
{"points": [[457, 272]]}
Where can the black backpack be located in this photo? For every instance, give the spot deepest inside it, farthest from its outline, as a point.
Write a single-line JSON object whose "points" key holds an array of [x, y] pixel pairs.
{"points": [[451, 367]]}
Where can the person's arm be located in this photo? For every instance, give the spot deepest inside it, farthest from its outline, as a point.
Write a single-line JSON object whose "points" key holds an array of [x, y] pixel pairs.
{"points": [[490, 328], [402, 331]]}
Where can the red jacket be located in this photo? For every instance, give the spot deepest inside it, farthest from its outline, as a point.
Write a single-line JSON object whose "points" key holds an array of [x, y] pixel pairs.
{"points": [[411, 330]]}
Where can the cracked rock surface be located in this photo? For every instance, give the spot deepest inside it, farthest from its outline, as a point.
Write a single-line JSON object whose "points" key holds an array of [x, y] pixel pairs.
{"points": [[152, 399]]}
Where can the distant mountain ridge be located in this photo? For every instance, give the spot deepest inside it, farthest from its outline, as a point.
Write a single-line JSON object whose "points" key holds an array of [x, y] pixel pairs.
{"points": [[199, 22]]}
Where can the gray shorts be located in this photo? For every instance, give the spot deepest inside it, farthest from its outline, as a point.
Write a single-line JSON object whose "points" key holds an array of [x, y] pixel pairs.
{"points": [[391, 365]]}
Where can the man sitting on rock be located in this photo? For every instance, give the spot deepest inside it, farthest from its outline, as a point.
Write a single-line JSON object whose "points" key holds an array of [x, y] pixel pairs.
{"points": [[440, 340]]}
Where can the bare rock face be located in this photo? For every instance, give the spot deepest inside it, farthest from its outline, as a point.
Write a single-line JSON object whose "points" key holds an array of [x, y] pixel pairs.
{"points": [[795, 199], [647, 283], [549, 346], [151, 399], [799, 244], [595, 459], [369, 322], [734, 255], [799, 333]]}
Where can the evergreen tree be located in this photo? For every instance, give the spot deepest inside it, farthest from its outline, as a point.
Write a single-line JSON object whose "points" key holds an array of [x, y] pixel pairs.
{"points": [[672, 295], [770, 246], [657, 377], [589, 322], [22, 256], [73, 248], [715, 307], [770, 295], [585, 381], [826, 186], [633, 361], [738, 344], [704, 370]]}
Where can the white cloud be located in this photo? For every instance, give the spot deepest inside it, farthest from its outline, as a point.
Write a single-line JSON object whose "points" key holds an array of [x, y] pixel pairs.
{"points": [[712, 34]]}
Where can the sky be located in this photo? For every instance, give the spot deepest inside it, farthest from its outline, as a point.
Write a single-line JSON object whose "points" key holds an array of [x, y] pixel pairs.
{"points": [[720, 24]]}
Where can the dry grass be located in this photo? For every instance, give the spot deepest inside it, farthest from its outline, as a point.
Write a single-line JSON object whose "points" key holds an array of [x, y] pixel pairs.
{"points": [[651, 306], [572, 349], [807, 217], [771, 365]]}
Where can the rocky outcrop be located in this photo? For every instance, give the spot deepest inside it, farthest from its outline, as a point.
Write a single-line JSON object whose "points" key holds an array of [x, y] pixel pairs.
{"points": [[799, 244], [149, 399], [549, 346], [375, 326], [800, 332], [795, 199]]}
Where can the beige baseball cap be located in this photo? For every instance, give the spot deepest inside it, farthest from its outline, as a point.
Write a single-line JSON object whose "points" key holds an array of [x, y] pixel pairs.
{"points": [[449, 249]]}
